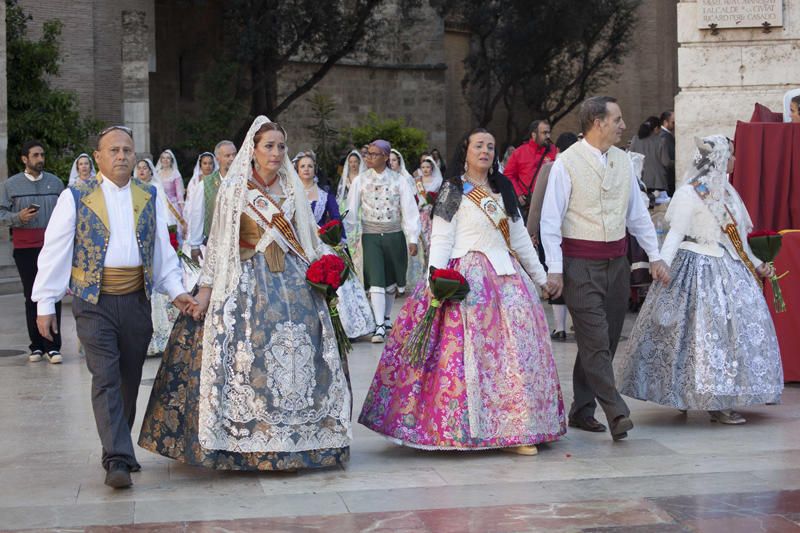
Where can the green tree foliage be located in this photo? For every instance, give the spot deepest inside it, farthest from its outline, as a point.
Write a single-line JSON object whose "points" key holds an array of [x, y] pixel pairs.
{"points": [[327, 142], [270, 34], [35, 109], [220, 111], [545, 56], [410, 142]]}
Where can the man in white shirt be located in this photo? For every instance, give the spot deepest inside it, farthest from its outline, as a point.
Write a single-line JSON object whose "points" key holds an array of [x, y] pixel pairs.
{"points": [[108, 242], [390, 222], [592, 197]]}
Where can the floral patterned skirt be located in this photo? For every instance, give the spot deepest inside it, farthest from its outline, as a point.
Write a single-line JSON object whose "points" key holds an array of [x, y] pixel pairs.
{"points": [[704, 341], [488, 379], [270, 304]]}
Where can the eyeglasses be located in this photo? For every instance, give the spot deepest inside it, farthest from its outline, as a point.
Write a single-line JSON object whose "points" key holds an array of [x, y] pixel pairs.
{"points": [[374, 154], [109, 129]]}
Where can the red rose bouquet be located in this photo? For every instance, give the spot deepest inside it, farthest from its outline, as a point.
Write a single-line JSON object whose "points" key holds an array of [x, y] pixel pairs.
{"points": [[331, 234], [327, 274], [765, 246], [447, 285], [173, 240], [430, 197]]}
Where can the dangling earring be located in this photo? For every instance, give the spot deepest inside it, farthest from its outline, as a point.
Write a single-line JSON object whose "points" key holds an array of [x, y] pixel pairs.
{"points": [[258, 167], [466, 166]]}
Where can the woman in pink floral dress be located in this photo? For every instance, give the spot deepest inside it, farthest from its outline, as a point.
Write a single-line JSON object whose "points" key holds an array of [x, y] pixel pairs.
{"points": [[488, 378]]}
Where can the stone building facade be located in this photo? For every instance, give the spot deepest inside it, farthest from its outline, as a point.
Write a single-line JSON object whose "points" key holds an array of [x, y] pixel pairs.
{"points": [[139, 62], [405, 79], [107, 50], [722, 76]]}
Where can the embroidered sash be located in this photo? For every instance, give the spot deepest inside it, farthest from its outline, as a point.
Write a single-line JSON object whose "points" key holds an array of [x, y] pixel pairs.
{"points": [[269, 215], [420, 188], [730, 228], [493, 211], [175, 213]]}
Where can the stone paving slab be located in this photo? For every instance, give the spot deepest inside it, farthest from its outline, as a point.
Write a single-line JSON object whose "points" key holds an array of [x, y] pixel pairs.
{"points": [[50, 476]]}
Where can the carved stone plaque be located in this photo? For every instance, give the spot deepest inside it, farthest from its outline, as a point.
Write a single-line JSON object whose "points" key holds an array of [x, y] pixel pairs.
{"points": [[739, 13]]}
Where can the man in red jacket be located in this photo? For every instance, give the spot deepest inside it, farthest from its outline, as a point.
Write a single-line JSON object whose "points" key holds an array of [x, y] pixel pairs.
{"points": [[526, 161]]}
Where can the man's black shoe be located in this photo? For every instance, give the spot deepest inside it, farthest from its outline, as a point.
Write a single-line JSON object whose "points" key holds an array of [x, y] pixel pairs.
{"points": [[620, 427], [588, 423], [118, 475]]}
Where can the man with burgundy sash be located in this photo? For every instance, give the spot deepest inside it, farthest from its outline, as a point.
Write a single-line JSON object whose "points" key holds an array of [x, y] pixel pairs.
{"points": [[108, 242], [591, 199]]}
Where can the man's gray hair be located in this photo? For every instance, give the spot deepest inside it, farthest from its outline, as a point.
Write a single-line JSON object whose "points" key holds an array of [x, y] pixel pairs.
{"points": [[221, 144], [593, 108]]}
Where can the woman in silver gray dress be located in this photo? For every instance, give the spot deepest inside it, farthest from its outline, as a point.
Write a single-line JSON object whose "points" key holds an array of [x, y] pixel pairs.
{"points": [[706, 340]]}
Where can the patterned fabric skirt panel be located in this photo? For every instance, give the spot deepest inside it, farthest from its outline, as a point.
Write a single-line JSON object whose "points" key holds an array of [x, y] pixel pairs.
{"points": [[418, 265], [281, 323], [488, 379], [704, 341]]}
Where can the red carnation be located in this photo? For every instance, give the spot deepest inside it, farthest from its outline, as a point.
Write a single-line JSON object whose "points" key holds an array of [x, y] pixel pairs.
{"points": [[448, 273], [173, 239], [332, 224], [327, 274], [763, 233]]}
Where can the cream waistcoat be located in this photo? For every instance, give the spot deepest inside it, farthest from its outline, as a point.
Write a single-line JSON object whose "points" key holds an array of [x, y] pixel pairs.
{"points": [[598, 203]]}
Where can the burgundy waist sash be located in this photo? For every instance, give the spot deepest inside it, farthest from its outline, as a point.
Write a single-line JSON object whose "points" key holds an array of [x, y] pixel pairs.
{"points": [[582, 249]]}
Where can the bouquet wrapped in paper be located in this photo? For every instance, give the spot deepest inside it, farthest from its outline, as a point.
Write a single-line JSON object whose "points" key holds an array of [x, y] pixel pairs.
{"points": [[765, 246], [327, 274], [446, 285], [192, 265], [331, 234]]}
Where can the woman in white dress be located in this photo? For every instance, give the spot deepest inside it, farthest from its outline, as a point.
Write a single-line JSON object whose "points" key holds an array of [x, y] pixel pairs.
{"points": [[706, 340], [162, 311], [353, 166], [205, 165], [169, 176]]}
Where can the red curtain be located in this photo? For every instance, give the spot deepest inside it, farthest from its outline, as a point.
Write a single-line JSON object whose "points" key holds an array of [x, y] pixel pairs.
{"points": [[762, 113], [787, 324], [767, 173]]}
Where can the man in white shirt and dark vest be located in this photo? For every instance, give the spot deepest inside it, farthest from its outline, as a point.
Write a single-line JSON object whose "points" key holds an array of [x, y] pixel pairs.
{"points": [[592, 197], [384, 202], [107, 242]]}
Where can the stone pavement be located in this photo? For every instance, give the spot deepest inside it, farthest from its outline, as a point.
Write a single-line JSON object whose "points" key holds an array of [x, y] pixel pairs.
{"points": [[674, 473]]}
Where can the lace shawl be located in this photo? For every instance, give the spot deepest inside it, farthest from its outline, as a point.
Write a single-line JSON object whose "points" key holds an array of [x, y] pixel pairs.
{"points": [[222, 267], [448, 201]]}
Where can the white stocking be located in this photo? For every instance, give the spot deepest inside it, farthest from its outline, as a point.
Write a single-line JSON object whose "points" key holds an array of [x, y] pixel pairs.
{"points": [[378, 299]]}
